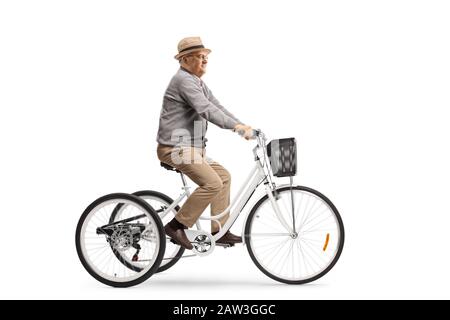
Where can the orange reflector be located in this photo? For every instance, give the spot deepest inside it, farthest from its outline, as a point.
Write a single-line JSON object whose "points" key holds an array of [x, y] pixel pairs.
{"points": [[326, 242]]}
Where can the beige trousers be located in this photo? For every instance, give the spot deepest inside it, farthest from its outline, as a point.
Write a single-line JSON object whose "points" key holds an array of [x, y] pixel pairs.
{"points": [[212, 179]]}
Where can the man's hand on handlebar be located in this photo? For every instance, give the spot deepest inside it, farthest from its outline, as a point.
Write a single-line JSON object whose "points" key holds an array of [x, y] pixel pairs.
{"points": [[244, 131]]}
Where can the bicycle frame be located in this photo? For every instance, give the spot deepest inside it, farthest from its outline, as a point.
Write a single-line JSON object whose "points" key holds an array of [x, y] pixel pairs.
{"points": [[253, 180]]}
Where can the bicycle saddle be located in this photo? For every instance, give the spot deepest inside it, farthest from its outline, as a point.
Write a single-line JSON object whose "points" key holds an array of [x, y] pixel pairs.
{"points": [[168, 167]]}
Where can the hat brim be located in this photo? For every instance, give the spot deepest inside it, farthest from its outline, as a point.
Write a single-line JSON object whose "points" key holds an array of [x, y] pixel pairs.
{"points": [[181, 54]]}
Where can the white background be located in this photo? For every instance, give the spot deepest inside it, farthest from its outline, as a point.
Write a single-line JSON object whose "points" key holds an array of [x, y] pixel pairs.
{"points": [[362, 85]]}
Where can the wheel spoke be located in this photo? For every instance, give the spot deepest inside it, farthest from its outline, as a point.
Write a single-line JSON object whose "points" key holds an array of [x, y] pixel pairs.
{"points": [[270, 234], [318, 223]]}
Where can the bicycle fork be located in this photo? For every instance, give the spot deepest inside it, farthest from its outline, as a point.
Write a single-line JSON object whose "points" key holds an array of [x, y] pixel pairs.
{"points": [[276, 208]]}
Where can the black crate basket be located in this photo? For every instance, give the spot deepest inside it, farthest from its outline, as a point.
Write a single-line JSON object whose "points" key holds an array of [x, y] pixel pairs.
{"points": [[283, 157]]}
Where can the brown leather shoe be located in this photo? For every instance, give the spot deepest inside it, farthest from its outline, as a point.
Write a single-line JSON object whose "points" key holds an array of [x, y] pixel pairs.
{"points": [[228, 238], [178, 235]]}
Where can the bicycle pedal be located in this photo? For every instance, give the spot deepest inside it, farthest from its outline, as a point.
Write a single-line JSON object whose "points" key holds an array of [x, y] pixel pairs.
{"points": [[225, 245]]}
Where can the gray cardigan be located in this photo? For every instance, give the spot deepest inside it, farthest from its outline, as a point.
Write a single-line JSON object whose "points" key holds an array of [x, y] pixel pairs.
{"points": [[188, 105]]}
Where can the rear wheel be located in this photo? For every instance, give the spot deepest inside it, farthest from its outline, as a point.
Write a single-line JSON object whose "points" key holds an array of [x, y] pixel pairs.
{"points": [[139, 233], [302, 248]]}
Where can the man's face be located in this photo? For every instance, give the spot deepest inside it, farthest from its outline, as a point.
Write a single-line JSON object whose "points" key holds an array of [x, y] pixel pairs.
{"points": [[197, 62]]}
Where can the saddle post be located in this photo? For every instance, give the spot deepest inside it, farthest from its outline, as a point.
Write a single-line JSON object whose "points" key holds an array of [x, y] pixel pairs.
{"points": [[183, 180], [186, 190], [185, 187]]}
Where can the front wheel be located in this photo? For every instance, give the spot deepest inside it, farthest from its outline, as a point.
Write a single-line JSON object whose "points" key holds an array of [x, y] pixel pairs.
{"points": [[302, 242]]}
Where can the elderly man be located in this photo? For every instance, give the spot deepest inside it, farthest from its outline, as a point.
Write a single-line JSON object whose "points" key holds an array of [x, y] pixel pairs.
{"points": [[187, 107]]}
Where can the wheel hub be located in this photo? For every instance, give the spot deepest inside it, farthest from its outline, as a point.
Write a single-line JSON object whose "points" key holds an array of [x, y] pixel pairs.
{"points": [[121, 239]]}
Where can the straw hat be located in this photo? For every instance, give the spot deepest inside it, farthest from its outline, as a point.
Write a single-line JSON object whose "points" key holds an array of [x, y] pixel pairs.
{"points": [[189, 45]]}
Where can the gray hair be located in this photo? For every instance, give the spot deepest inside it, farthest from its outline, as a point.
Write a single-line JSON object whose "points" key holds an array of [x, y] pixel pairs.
{"points": [[182, 58]]}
